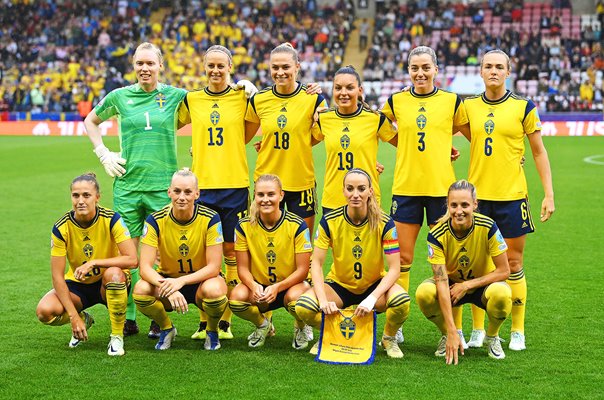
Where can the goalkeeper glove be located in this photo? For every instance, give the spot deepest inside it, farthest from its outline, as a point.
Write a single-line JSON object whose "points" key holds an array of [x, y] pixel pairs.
{"points": [[113, 162], [248, 87]]}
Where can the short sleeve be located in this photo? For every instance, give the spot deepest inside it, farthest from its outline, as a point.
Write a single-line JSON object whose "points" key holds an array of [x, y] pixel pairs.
{"points": [[436, 255], [388, 109], [316, 131], [119, 230], [214, 232], [322, 238], [461, 116], [386, 131], [531, 122], [240, 238], [58, 247], [302, 241], [184, 116], [106, 107], [150, 234], [497, 244], [390, 239], [250, 114]]}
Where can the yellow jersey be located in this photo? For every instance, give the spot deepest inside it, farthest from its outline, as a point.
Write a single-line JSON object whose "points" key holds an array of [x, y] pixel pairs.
{"points": [[470, 256], [358, 251], [286, 148], [425, 137], [498, 130], [80, 245], [182, 247], [351, 141], [273, 251], [218, 137]]}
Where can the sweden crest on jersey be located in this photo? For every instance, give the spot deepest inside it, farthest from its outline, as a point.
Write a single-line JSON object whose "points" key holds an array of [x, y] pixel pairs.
{"points": [[271, 256], [88, 250], [357, 252], [344, 141], [421, 121], [215, 117], [160, 99], [464, 261], [281, 121], [183, 249], [489, 127]]}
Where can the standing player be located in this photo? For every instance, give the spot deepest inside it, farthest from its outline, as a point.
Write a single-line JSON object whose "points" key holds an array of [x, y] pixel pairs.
{"points": [[273, 254], [188, 237], [360, 235], [100, 252], [467, 253], [217, 116], [285, 113], [147, 116], [427, 117], [499, 121], [351, 132]]}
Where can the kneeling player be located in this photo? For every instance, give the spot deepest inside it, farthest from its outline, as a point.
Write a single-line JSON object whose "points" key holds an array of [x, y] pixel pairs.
{"points": [[273, 254], [468, 257], [189, 239], [361, 237], [100, 252]]}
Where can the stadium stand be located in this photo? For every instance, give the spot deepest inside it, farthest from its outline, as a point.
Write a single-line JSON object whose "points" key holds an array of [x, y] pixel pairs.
{"points": [[557, 57], [60, 57]]}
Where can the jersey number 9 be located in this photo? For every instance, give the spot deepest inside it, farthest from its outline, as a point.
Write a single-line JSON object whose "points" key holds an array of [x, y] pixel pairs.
{"points": [[358, 270]]}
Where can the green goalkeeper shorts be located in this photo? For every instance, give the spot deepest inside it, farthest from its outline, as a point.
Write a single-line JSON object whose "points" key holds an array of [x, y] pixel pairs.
{"points": [[135, 206]]}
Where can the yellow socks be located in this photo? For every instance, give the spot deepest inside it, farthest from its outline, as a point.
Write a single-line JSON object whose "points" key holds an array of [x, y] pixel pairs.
{"points": [[214, 308], [247, 311], [117, 300], [153, 309], [307, 309], [397, 312], [517, 282]]}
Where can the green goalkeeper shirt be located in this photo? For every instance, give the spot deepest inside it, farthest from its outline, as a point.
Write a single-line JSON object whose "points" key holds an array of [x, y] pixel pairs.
{"points": [[147, 125]]}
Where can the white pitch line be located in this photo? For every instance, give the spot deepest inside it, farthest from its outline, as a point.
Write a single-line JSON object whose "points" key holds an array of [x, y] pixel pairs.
{"points": [[594, 159]]}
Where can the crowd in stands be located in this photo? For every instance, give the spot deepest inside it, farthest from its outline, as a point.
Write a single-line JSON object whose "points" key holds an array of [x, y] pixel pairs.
{"points": [[557, 57], [63, 56], [57, 55]]}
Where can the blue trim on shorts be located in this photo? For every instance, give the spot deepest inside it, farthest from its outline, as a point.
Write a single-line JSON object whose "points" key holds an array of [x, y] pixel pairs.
{"points": [[410, 209], [508, 216]]}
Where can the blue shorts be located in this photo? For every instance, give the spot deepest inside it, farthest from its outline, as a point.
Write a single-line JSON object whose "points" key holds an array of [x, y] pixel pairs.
{"points": [[230, 204], [302, 203], [278, 303], [89, 293], [410, 209], [189, 292], [474, 297], [512, 217], [348, 298]]}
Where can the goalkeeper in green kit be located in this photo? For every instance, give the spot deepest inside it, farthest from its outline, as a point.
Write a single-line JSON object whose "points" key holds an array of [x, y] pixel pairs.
{"points": [[147, 114]]}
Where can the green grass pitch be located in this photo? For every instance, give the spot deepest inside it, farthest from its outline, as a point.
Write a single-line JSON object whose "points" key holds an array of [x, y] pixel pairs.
{"points": [[564, 315]]}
